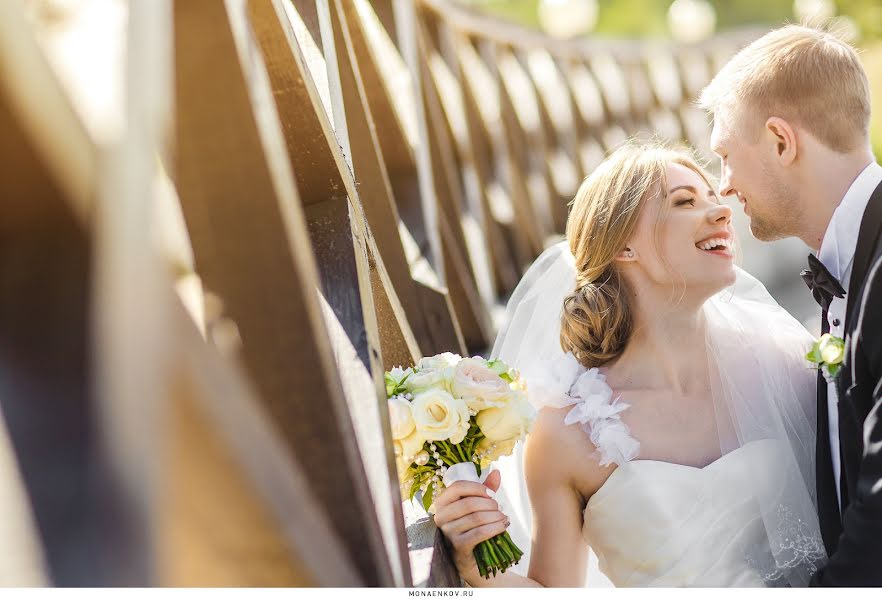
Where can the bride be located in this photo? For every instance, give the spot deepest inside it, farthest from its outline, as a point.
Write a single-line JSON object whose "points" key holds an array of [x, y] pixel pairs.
{"points": [[676, 432]]}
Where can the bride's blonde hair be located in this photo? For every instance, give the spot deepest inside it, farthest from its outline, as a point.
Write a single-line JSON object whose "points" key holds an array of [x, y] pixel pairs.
{"points": [[597, 318]]}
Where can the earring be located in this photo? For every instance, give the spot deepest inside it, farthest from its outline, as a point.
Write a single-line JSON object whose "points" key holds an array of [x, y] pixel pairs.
{"points": [[629, 254]]}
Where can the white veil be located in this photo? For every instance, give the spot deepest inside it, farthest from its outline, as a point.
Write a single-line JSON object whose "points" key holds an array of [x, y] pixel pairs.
{"points": [[762, 389]]}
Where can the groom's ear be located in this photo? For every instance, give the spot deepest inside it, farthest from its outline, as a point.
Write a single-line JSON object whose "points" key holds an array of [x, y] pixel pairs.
{"points": [[782, 135]]}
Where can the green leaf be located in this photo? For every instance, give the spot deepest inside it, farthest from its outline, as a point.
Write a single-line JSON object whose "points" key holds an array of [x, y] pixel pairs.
{"points": [[814, 356], [833, 370], [427, 496], [414, 488]]}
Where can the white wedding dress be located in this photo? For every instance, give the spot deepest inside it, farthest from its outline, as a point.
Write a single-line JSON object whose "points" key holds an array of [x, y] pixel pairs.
{"points": [[747, 518], [656, 523], [662, 524]]}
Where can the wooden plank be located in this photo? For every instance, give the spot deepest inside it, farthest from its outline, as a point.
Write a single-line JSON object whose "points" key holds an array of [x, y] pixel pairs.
{"points": [[532, 213], [47, 185], [472, 312], [472, 216], [388, 88], [35, 98], [374, 186], [131, 358], [238, 510], [526, 137], [472, 315], [216, 530], [44, 349], [589, 111], [556, 120], [406, 22], [389, 94], [481, 104], [249, 238]]}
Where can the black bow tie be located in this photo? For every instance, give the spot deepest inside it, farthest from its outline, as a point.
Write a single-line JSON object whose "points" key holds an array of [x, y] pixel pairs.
{"points": [[822, 284]]}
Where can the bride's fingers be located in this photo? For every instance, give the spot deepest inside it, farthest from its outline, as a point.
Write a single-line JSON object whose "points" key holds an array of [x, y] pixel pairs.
{"points": [[472, 521], [494, 479], [460, 489], [466, 541], [460, 508]]}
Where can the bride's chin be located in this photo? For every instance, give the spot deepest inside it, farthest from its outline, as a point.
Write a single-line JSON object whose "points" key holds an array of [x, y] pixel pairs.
{"points": [[727, 279], [712, 283]]}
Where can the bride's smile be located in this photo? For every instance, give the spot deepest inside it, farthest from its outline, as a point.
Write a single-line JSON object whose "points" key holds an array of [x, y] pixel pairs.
{"points": [[683, 239]]}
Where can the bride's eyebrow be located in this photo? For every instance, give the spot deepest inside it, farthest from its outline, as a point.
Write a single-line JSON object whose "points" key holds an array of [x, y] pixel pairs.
{"points": [[689, 188], [682, 187]]}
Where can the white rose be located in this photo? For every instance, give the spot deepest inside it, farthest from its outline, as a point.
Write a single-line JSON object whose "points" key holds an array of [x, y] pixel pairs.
{"points": [[408, 447], [426, 379], [478, 385], [394, 378], [440, 416], [439, 361], [512, 421], [400, 417]]}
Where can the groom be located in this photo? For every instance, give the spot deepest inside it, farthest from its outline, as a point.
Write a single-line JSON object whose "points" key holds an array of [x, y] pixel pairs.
{"points": [[791, 127]]}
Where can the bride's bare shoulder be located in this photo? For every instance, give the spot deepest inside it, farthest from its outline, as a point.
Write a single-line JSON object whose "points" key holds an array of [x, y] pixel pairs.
{"points": [[556, 453]]}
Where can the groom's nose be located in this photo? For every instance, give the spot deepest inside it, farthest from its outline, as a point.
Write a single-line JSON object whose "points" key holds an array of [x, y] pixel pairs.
{"points": [[726, 187]]}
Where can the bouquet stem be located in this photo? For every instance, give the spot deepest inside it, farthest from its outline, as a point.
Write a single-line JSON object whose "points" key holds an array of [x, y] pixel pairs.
{"points": [[496, 555]]}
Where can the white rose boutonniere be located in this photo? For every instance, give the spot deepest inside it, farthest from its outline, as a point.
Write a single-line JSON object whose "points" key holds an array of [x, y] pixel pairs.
{"points": [[827, 354]]}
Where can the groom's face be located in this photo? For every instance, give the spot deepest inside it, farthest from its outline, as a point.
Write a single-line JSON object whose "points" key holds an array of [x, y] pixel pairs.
{"points": [[749, 171]]}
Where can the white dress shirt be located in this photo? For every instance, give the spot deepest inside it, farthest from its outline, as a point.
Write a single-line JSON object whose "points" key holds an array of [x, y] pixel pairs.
{"points": [[837, 254]]}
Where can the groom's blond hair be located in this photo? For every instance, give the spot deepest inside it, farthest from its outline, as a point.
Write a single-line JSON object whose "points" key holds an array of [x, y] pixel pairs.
{"points": [[804, 75]]}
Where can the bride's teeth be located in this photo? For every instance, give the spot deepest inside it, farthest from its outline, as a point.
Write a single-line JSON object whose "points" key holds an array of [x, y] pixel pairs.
{"points": [[708, 244]]}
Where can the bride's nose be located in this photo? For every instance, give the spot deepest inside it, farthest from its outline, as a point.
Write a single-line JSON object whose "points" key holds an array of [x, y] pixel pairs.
{"points": [[720, 213]]}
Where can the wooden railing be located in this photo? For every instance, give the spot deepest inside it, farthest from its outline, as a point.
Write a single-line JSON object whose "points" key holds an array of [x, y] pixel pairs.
{"points": [[196, 310]]}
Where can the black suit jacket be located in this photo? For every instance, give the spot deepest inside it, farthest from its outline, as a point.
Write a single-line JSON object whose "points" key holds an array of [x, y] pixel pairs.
{"points": [[853, 536]]}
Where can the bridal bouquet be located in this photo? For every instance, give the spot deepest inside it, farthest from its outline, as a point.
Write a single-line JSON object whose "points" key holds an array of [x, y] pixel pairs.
{"points": [[451, 417]]}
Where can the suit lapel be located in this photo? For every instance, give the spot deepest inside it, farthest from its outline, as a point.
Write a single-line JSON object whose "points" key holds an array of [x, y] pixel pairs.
{"points": [[868, 238]]}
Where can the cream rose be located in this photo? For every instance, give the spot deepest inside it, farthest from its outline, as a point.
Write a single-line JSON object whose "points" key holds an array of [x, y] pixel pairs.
{"points": [[408, 447], [488, 450], [512, 421], [404, 474], [478, 385], [401, 418], [440, 416]]}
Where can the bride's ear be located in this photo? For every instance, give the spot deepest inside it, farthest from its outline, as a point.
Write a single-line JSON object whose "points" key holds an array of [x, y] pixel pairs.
{"points": [[627, 255]]}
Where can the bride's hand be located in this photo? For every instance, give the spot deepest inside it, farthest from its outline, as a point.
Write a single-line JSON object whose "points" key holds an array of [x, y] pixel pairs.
{"points": [[467, 515]]}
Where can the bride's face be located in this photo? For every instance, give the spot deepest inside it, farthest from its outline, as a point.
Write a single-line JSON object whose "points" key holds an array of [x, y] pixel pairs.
{"points": [[684, 236]]}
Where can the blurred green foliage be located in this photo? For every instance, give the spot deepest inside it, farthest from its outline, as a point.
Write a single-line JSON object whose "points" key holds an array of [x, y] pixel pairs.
{"points": [[648, 19]]}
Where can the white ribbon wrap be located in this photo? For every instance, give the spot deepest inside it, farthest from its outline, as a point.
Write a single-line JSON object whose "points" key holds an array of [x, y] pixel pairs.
{"points": [[464, 471]]}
